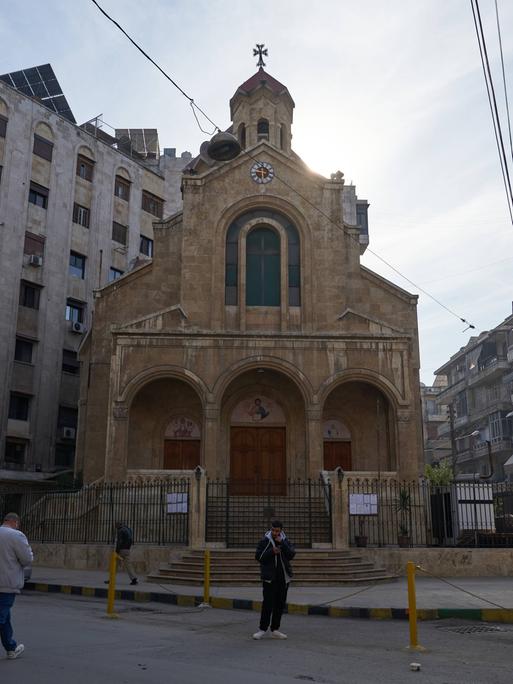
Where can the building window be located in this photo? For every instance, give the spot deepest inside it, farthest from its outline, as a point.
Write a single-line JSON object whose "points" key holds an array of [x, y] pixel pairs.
{"points": [[70, 363], [42, 148], [263, 268], [64, 455], [68, 417], [85, 168], [152, 204], [3, 126], [81, 215], [38, 195], [29, 295], [232, 258], [23, 350], [119, 233], [263, 129], [282, 137], [242, 136], [76, 265], [19, 406], [122, 188], [34, 244], [75, 311], [15, 452], [114, 274], [146, 246]]}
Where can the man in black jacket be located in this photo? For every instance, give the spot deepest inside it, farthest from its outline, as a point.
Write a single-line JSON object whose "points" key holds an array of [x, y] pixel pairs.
{"points": [[124, 542], [274, 553]]}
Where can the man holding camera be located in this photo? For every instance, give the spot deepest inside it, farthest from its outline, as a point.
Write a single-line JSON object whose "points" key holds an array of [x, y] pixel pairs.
{"points": [[274, 553]]}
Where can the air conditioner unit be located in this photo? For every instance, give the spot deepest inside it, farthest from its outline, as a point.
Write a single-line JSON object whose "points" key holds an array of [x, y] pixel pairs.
{"points": [[77, 327], [68, 433], [35, 260]]}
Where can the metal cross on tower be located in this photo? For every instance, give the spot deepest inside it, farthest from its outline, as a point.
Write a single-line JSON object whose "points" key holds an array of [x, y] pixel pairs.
{"points": [[260, 52]]}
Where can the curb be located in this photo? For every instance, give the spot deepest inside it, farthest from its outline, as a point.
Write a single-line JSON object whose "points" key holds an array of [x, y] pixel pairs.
{"points": [[481, 614]]}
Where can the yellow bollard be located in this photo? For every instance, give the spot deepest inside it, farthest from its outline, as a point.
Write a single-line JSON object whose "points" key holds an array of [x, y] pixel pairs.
{"points": [[111, 593], [412, 607], [206, 581]]}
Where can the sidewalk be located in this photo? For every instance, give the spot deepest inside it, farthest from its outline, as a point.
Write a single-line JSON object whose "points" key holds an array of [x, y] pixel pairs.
{"points": [[435, 599]]}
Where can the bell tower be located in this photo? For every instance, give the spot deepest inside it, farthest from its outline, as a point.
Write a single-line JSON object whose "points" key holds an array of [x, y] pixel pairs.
{"points": [[262, 109]]}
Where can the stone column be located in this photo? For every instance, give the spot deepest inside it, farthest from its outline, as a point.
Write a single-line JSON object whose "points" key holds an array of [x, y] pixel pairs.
{"points": [[211, 440], [117, 444], [315, 454], [407, 442], [340, 511], [197, 511]]}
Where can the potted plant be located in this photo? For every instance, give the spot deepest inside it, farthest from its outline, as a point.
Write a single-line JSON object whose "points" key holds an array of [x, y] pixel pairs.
{"points": [[403, 507], [361, 538]]}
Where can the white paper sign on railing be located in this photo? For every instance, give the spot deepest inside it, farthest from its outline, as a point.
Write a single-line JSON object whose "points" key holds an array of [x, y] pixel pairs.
{"points": [[177, 502], [363, 504]]}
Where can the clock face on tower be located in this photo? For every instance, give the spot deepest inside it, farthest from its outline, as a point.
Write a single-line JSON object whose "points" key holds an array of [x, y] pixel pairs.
{"points": [[262, 172]]}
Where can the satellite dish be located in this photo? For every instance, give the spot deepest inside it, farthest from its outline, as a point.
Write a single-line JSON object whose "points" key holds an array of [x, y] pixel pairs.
{"points": [[223, 147], [204, 155]]}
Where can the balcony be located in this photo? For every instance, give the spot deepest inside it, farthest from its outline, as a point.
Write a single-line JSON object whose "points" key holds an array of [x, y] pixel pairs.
{"points": [[449, 392], [493, 368]]}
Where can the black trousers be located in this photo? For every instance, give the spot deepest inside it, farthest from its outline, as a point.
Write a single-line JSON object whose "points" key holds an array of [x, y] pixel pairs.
{"points": [[275, 597]]}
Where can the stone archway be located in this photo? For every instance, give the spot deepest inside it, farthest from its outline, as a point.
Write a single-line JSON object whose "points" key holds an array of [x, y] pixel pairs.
{"points": [[164, 430], [369, 420], [263, 431]]}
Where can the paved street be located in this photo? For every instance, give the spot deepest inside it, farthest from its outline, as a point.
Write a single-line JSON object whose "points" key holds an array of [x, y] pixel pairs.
{"points": [[68, 639]]}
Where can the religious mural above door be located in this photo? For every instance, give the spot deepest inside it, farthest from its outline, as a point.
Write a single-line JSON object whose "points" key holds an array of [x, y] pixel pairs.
{"points": [[182, 427], [335, 429], [258, 409]]}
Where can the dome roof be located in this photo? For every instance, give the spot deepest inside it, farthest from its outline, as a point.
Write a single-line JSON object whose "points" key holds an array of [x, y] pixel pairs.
{"points": [[262, 78]]}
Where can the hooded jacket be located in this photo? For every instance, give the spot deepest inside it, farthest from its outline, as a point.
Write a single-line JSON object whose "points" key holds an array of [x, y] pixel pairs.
{"points": [[269, 560], [15, 554]]}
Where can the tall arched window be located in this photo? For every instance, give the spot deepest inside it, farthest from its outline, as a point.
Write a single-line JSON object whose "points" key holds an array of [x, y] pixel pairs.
{"points": [[263, 268], [242, 136], [232, 255], [282, 137], [263, 129]]}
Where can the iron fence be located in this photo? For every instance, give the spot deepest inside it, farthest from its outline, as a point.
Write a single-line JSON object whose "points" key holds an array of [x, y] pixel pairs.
{"points": [[388, 512], [238, 514], [157, 512]]}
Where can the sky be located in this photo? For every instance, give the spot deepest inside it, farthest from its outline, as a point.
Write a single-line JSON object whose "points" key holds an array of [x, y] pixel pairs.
{"points": [[392, 94]]}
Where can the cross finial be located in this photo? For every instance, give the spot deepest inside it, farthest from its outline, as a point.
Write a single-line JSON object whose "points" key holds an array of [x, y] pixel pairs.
{"points": [[260, 52]]}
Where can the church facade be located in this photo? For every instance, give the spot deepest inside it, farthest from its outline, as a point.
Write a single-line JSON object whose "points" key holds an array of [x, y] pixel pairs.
{"points": [[254, 343]]}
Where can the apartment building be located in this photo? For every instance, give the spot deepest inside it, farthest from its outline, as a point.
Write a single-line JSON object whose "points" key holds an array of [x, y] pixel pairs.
{"points": [[434, 414], [479, 396], [77, 207]]}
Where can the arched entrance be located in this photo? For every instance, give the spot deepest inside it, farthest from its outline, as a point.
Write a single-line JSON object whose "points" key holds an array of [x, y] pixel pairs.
{"points": [[336, 445], [263, 431], [365, 420], [258, 456], [182, 444], [165, 427]]}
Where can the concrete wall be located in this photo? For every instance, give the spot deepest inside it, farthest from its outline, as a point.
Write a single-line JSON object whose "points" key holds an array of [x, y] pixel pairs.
{"points": [[96, 557], [444, 562]]}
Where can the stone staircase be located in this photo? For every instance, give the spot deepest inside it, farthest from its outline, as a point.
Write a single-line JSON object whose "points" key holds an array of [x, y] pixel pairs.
{"points": [[237, 567]]}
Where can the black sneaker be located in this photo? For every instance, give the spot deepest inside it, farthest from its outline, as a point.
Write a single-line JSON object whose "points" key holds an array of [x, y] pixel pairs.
{"points": [[134, 581]]}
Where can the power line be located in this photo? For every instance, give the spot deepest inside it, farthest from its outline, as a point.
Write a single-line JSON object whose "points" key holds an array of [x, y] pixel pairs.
{"points": [[504, 78], [490, 90], [342, 227]]}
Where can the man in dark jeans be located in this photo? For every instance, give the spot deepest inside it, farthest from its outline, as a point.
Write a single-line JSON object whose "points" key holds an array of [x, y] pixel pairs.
{"points": [[124, 542], [274, 553]]}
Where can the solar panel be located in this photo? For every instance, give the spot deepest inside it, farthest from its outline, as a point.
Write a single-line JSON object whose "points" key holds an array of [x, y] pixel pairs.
{"points": [[40, 82]]}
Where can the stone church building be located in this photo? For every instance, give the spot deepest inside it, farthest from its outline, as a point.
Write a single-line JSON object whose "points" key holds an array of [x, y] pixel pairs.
{"points": [[254, 343]]}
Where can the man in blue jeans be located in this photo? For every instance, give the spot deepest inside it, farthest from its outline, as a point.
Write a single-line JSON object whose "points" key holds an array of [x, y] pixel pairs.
{"points": [[15, 554]]}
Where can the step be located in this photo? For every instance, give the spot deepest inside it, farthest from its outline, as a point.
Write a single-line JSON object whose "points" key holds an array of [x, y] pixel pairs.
{"points": [[171, 579]]}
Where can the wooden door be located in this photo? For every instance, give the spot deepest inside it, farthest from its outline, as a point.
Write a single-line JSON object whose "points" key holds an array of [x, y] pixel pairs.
{"points": [[337, 454], [257, 458], [181, 454]]}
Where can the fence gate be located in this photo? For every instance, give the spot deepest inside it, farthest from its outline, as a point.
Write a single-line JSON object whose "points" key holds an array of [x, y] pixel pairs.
{"points": [[240, 521]]}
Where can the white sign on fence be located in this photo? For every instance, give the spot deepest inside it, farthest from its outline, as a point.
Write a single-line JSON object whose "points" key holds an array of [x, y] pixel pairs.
{"points": [[177, 502], [363, 504]]}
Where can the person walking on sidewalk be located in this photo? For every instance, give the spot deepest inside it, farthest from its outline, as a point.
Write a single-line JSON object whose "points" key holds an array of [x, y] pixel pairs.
{"points": [[274, 553], [124, 542], [15, 555]]}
